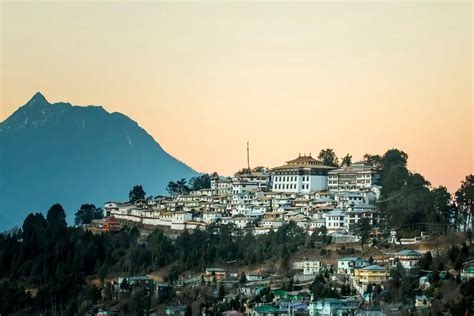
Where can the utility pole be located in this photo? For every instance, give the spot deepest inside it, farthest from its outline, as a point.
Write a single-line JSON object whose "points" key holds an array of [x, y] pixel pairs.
{"points": [[248, 158]]}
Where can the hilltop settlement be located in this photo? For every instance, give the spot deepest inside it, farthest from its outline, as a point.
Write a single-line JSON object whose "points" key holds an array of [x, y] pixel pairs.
{"points": [[309, 237]]}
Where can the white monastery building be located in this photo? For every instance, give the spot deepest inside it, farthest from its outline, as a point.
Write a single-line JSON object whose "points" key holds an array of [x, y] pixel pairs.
{"points": [[301, 175], [355, 177]]}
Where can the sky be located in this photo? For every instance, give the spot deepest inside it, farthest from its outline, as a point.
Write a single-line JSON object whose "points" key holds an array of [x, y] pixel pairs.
{"points": [[203, 78]]}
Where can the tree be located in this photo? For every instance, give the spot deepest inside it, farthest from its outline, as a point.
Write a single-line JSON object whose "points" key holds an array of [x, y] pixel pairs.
{"points": [[395, 172], [374, 160], [243, 278], [178, 187], [56, 217], [182, 187], [260, 169], [442, 210], [465, 200], [346, 161], [188, 311], [33, 227], [136, 193], [200, 182], [425, 262], [362, 230], [87, 213], [328, 157], [172, 188], [221, 292], [406, 198], [285, 257], [243, 171]]}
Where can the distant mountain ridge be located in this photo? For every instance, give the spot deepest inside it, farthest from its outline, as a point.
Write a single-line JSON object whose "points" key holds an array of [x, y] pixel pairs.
{"points": [[76, 154]]}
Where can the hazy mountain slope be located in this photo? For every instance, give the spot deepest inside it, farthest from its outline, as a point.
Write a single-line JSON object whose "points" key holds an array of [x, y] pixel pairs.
{"points": [[69, 154]]}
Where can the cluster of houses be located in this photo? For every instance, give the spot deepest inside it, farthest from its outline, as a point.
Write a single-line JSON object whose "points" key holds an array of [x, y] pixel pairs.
{"points": [[358, 273], [304, 191]]}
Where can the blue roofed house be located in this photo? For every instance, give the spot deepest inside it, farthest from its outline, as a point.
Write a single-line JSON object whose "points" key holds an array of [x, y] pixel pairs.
{"points": [[407, 258], [347, 265], [467, 273]]}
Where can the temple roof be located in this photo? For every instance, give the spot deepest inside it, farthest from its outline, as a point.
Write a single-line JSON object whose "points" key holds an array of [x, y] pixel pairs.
{"points": [[304, 162]]}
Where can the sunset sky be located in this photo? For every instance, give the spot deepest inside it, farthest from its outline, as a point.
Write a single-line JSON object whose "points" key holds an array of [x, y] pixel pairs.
{"points": [[205, 78]]}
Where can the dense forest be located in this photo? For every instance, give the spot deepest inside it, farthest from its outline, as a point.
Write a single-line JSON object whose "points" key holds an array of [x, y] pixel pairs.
{"points": [[58, 260]]}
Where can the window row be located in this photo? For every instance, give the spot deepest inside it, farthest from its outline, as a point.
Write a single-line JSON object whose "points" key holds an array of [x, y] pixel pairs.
{"points": [[290, 178]]}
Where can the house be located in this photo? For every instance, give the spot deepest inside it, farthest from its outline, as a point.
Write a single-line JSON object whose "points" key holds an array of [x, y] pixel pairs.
{"points": [[422, 301], [298, 296], [334, 220], [280, 293], [364, 212], [407, 258], [232, 313], [221, 185], [178, 220], [332, 307], [294, 307], [371, 275], [218, 273], [272, 223], [251, 277], [143, 280], [210, 217], [307, 266], [254, 181], [425, 281], [175, 310], [301, 175], [240, 221], [357, 176], [347, 265], [264, 310], [467, 273], [110, 208], [109, 224], [350, 199]]}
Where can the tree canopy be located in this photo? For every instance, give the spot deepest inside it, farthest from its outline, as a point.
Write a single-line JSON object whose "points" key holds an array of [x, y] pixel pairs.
{"points": [[136, 193], [178, 187], [200, 182], [328, 157], [86, 213], [346, 161], [465, 200]]}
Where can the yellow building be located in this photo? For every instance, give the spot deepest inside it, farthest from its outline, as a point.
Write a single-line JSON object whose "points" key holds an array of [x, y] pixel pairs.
{"points": [[371, 275]]}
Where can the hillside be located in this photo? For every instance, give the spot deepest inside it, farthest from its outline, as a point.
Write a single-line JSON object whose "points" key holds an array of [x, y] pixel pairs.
{"points": [[60, 153]]}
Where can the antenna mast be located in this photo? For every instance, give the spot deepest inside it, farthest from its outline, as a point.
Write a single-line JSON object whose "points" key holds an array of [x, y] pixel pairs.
{"points": [[248, 157]]}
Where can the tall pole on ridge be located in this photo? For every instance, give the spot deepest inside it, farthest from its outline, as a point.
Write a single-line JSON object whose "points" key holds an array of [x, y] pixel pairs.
{"points": [[248, 158]]}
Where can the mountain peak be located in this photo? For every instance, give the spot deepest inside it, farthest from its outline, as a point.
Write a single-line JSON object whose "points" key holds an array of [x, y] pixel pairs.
{"points": [[58, 145], [38, 98]]}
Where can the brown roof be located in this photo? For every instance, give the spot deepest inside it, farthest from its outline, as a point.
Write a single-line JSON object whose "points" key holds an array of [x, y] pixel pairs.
{"points": [[304, 162], [303, 166]]}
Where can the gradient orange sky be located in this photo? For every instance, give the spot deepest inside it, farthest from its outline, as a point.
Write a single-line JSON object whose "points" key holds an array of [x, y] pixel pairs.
{"points": [[203, 78]]}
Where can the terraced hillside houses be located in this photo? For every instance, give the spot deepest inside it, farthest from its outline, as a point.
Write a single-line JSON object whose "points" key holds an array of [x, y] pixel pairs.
{"points": [[303, 190]]}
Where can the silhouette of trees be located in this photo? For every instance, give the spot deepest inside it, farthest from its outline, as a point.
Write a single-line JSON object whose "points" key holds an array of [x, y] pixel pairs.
{"points": [[86, 213], [328, 157], [136, 193]]}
